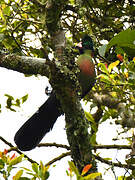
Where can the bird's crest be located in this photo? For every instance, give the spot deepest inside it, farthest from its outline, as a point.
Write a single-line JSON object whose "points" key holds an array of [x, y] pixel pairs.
{"points": [[87, 43]]}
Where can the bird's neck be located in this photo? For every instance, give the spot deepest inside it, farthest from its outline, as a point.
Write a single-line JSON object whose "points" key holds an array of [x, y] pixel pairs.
{"points": [[88, 52]]}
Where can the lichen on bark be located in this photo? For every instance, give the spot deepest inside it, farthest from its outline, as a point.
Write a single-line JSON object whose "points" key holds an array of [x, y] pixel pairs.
{"points": [[24, 64], [53, 13], [64, 80]]}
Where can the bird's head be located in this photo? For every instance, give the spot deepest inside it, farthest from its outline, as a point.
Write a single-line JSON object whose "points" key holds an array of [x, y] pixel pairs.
{"points": [[87, 43]]}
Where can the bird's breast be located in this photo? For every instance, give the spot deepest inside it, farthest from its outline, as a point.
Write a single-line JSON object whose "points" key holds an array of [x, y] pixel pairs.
{"points": [[87, 67]]}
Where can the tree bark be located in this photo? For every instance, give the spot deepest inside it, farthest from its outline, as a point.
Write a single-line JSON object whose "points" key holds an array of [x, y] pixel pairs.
{"points": [[24, 64]]}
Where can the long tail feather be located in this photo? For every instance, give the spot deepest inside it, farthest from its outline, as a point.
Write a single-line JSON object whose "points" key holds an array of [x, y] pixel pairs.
{"points": [[35, 128]]}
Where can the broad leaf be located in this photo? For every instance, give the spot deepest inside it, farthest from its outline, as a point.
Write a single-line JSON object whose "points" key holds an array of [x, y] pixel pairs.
{"points": [[18, 175], [113, 65], [35, 167], [125, 40], [92, 176], [16, 160], [102, 50], [73, 168]]}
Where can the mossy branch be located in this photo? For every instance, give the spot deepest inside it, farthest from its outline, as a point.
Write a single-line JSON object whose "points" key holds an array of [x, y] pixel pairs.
{"points": [[24, 64], [127, 117], [65, 83]]}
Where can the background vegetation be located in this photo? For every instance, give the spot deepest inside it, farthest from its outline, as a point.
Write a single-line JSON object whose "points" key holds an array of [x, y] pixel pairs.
{"points": [[29, 28]]}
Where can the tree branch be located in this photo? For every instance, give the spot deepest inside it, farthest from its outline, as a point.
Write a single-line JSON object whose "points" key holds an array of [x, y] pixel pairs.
{"points": [[127, 117], [114, 164], [12, 148], [24, 64], [54, 145], [113, 146], [58, 158]]}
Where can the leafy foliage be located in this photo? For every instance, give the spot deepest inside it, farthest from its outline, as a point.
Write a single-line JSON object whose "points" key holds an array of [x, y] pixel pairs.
{"points": [[25, 28], [85, 170], [12, 102], [7, 164], [124, 42]]}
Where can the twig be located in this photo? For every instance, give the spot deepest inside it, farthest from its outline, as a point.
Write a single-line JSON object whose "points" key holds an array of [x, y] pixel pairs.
{"points": [[54, 144], [6, 142], [112, 146], [114, 164], [58, 158], [12, 148]]}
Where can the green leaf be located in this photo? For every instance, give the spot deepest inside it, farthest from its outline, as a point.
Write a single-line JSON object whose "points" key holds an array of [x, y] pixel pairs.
{"points": [[124, 37], [121, 178], [35, 167], [122, 67], [16, 160], [90, 118], [33, 174], [113, 65], [102, 50], [18, 175], [108, 159], [47, 174], [93, 138], [103, 68], [25, 178], [73, 168], [72, 2], [24, 98], [105, 78], [9, 169], [129, 49], [9, 96], [92, 176], [43, 171], [125, 40], [10, 102], [26, 169], [7, 10], [17, 103], [105, 117], [67, 173], [2, 164]]}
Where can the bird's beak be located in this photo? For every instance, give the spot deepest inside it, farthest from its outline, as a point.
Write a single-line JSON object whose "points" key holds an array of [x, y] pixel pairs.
{"points": [[79, 45]]}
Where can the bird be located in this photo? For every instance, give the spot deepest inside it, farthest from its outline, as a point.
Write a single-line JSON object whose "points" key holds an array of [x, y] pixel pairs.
{"points": [[35, 128]]}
